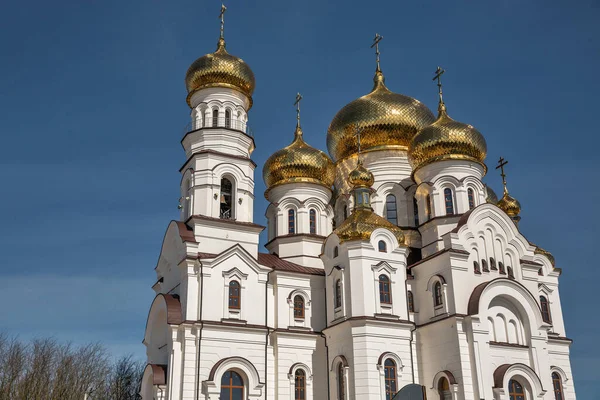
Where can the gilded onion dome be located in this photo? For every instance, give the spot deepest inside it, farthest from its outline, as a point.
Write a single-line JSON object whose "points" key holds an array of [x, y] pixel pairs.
{"points": [[387, 120], [298, 162], [546, 253], [219, 69], [361, 177], [509, 205], [446, 139], [491, 196]]}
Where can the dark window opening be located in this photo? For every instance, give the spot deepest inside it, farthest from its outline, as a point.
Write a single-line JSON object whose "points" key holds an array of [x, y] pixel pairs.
{"points": [[226, 206], [391, 210], [449, 201], [385, 296]]}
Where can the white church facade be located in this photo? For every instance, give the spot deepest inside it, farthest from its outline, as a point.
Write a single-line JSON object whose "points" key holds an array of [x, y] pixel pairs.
{"points": [[389, 263]]}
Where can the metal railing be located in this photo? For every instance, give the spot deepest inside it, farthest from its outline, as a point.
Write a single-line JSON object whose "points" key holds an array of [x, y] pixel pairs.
{"points": [[227, 123]]}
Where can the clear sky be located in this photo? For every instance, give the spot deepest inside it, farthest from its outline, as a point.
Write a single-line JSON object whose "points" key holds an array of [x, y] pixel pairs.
{"points": [[92, 109]]}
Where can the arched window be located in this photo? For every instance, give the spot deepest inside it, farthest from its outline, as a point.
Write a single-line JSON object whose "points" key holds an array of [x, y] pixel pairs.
{"points": [[391, 383], [476, 267], [385, 296], [444, 389], [338, 293], [540, 272], [313, 221], [382, 246], [449, 201], [226, 207], [471, 199], [511, 274], [215, 118], [428, 206], [300, 385], [232, 386], [484, 266], [341, 382], [501, 268], [298, 307], [416, 211], [515, 390], [291, 221], [336, 252], [235, 295], [545, 309], [227, 119], [493, 264], [438, 299], [391, 211], [557, 385], [411, 301]]}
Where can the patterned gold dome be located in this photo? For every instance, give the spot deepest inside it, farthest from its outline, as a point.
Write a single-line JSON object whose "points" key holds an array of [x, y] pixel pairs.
{"points": [[509, 205], [360, 176], [446, 139], [361, 224], [219, 69], [546, 253], [387, 120], [298, 162]]}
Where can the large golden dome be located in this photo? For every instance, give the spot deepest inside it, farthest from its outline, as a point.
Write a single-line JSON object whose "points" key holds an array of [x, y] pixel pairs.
{"points": [[219, 69], [387, 120], [447, 139], [298, 162]]}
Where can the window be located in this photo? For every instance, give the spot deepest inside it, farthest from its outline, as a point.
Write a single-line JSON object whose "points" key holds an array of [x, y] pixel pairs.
{"points": [[493, 264], [227, 119], [384, 290], [515, 390], [338, 293], [232, 386], [382, 246], [540, 272], [557, 385], [501, 268], [437, 294], [226, 207], [313, 221], [545, 309], [345, 212], [341, 382], [300, 385], [444, 389], [391, 212], [476, 267], [299, 307], [428, 206], [449, 201], [416, 211], [291, 221], [471, 199], [484, 266], [336, 252], [511, 274], [235, 298], [215, 118], [411, 302], [391, 384]]}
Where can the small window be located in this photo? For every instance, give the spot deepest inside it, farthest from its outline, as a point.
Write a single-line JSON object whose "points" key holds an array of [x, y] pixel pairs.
{"points": [[336, 252], [515, 390], [234, 295], [484, 265], [411, 301], [291, 221], [428, 206], [345, 212], [510, 272], [391, 211], [476, 267], [227, 119], [215, 118], [341, 382], [444, 389], [391, 383], [501, 268], [540, 272], [298, 307], [384, 290], [382, 246], [416, 211], [338, 293], [313, 221], [437, 294], [232, 386], [557, 386], [449, 201], [226, 201], [471, 199], [300, 385], [493, 264], [545, 309]]}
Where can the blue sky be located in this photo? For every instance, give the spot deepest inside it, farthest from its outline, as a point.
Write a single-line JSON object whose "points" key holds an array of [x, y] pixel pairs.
{"points": [[92, 109]]}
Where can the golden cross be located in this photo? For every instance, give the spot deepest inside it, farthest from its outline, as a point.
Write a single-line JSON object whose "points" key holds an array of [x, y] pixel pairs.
{"points": [[501, 164], [438, 75], [358, 131], [222, 16], [297, 104], [375, 44]]}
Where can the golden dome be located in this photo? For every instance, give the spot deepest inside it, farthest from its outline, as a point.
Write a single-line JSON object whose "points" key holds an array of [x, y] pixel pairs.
{"points": [[387, 121], [361, 177], [546, 253], [219, 69], [491, 196], [447, 139], [298, 162], [361, 224], [509, 205]]}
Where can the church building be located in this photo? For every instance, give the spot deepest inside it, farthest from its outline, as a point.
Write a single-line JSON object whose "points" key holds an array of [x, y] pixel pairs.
{"points": [[389, 268]]}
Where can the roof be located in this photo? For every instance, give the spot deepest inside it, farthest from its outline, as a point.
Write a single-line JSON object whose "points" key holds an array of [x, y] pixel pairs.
{"points": [[272, 261]]}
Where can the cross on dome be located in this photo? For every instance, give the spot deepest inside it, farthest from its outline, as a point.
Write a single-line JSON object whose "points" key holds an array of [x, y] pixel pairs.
{"points": [[222, 17], [375, 44], [297, 104], [501, 163], [438, 75]]}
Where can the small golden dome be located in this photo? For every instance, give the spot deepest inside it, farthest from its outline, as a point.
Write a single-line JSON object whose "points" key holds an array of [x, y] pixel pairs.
{"points": [[546, 253], [447, 139], [509, 205], [219, 69], [387, 120], [298, 162], [361, 177], [361, 224], [491, 196]]}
